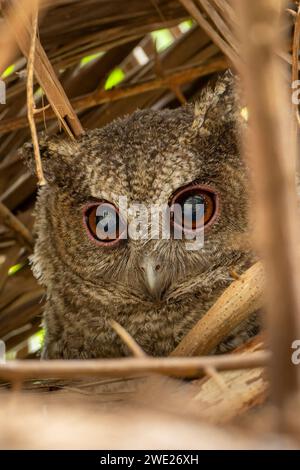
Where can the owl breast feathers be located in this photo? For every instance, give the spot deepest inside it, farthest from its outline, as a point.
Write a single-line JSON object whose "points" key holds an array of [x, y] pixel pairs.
{"points": [[95, 270]]}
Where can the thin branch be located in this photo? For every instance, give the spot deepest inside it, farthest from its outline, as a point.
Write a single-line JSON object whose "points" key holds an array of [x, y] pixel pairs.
{"points": [[42, 109], [11, 221], [11, 257], [227, 11], [26, 307], [211, 32], [124, 367], [213, 374], [30, 99], [291, 12], [243, 297], [128, 340], [98, 97], [179, 94], [160, 13], [219, 22]]}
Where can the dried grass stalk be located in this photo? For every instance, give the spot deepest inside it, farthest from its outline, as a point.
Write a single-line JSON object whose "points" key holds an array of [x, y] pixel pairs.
{"points": [[30, 99], [211, 32]]}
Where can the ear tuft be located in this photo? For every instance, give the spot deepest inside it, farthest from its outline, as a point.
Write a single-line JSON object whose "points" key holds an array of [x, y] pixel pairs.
{"points": [[26, 154], [56, 155], [217, 103]]}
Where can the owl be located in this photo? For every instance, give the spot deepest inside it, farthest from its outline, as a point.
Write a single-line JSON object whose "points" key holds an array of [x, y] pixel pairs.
{"points": [[97, 268]]}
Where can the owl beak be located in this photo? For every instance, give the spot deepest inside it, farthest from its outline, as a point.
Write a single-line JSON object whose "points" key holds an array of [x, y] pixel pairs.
{"points": [[152, 276]]}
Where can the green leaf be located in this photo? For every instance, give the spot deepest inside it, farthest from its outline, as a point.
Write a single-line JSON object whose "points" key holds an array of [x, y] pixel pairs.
{"points": [[14, 269], [36, 341], [115, 77], [163, 39], [89, 58], [186, 25], [8, 71]]}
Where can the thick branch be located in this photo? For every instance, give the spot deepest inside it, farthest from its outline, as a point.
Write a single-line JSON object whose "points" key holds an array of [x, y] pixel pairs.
{"points": [[236, 304]]}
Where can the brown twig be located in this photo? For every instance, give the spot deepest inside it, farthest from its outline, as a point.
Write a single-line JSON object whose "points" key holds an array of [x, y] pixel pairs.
{"points": [[11, 258], [211, 32], [243, 297], [22, 310], [42, 109], [219, 22], [271, 151], [124, 367], [128, 339], [179, 94], [227, 10], [30, 99], [98, 97], [11, 221], [213, 374]]}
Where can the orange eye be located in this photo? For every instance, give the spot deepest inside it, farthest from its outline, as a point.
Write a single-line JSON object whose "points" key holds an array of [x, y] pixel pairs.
{"points": [[194, 207], [103, 223]]}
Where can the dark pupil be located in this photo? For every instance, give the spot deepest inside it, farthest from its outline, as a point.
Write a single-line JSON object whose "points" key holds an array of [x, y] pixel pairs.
{"points": [[193, 208], [107, 223]]}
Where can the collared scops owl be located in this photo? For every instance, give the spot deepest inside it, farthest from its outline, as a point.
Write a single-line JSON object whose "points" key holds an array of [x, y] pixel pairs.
{"points": [[96, 269]]}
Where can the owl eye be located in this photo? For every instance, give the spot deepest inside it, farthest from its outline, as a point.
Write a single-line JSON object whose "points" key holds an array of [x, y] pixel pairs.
{"points": [[194, 207], [104, 223]]}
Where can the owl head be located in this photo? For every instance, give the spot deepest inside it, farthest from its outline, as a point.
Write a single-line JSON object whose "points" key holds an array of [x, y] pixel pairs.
{"points": [[110, 194]]}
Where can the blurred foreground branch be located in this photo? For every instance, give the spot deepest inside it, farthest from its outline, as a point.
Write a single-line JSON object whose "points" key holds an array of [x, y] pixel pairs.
{"points": [[123, 367], [271, 154]]}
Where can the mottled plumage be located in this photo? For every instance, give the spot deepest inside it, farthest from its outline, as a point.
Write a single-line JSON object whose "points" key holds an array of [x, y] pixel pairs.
{"points": [[146, 156]]}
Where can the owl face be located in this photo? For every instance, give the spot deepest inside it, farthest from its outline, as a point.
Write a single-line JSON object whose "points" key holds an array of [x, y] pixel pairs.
{"points": [[187, 157]]}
